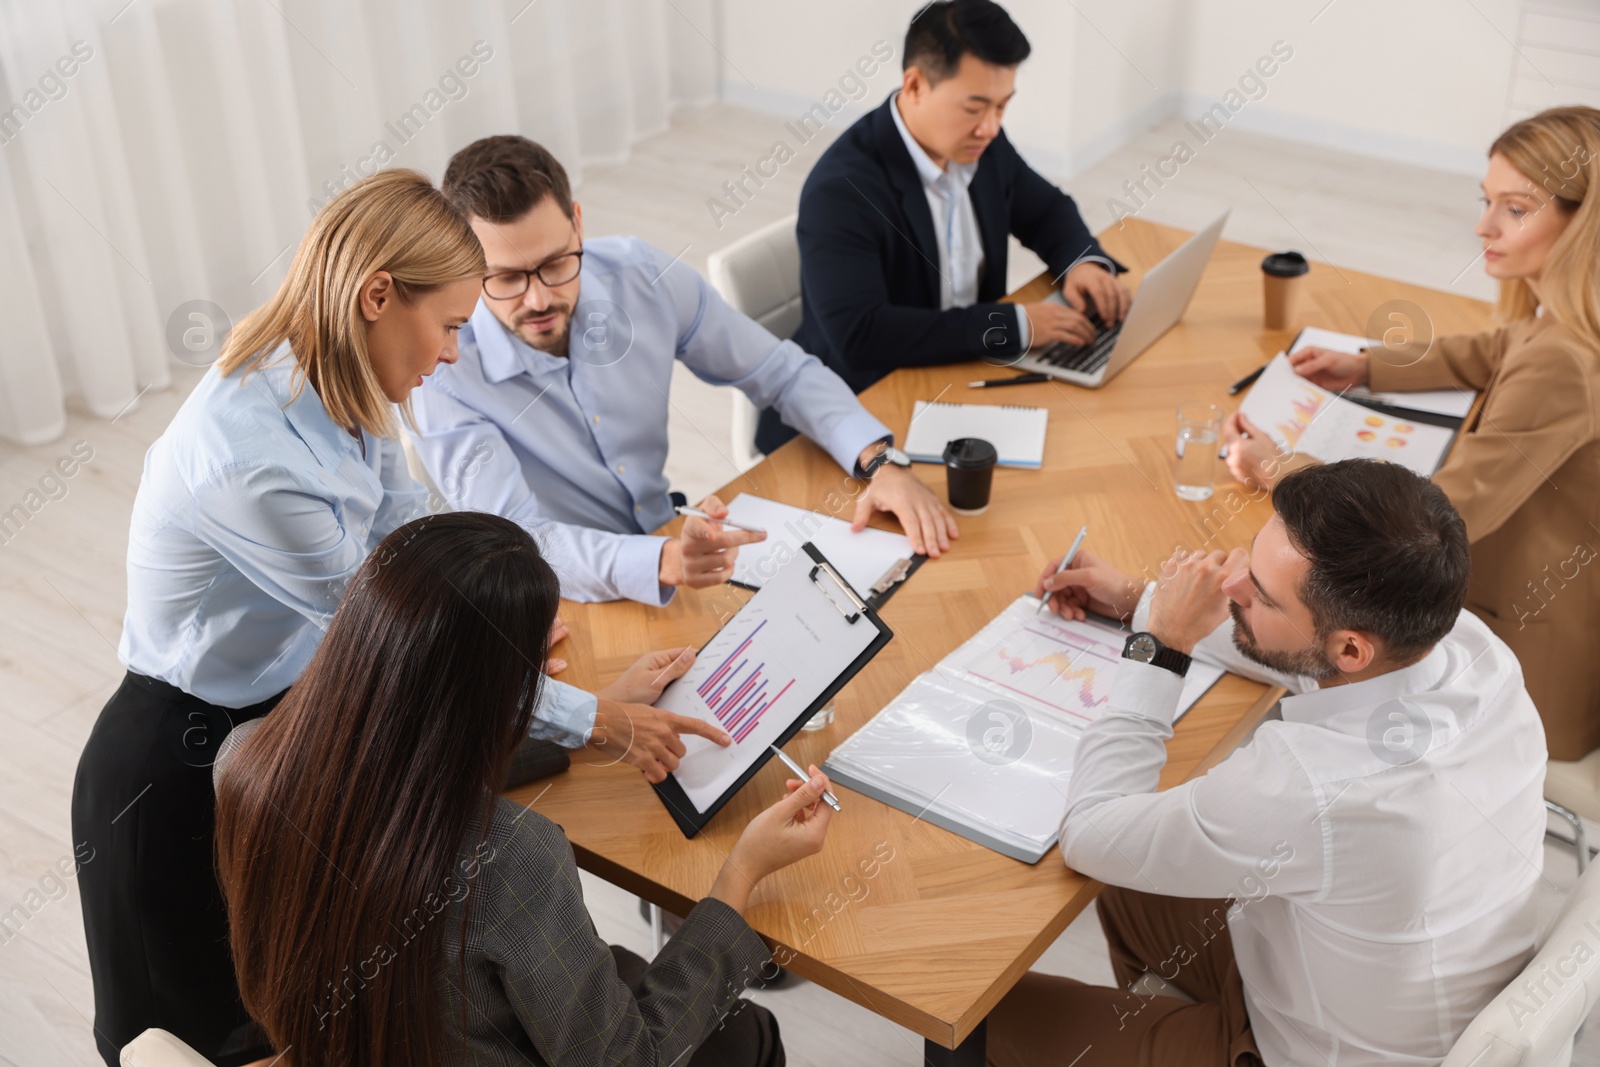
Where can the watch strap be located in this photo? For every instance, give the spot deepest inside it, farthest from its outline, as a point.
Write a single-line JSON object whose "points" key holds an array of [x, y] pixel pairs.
{"points": [[864, 473]]}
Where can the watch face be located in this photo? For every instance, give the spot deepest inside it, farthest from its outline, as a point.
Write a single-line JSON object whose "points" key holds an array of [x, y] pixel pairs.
{"points": [[1142, 648], [897, 457]]}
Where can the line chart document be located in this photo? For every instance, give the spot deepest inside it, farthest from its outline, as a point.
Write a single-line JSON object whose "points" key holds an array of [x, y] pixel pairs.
{"points": [[984, 743]]}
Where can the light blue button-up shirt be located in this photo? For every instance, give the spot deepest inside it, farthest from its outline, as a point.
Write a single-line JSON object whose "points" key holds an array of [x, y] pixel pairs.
{"points": [[574, 448], [253, 514]]}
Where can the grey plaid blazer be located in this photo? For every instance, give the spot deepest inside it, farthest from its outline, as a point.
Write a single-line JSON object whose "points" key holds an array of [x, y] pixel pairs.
{"points": [[540, 987]]}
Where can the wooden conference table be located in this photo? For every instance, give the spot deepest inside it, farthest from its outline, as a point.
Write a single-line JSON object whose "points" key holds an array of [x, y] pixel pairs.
{"points": [[943, 927]]}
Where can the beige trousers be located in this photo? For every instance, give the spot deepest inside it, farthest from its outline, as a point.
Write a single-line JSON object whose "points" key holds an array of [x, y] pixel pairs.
{"points": [[1059, 1022]]}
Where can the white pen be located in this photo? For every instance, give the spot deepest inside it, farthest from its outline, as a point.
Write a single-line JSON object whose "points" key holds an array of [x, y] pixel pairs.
{"points": [[804, 777], [1066, 561], [697, 513]]}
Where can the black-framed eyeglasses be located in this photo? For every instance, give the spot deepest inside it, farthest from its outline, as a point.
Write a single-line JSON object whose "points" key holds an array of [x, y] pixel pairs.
{"points": [[510, 284]]}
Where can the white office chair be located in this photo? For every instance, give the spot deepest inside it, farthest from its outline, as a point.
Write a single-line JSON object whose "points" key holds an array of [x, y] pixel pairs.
{"points": [[157, 1048], [759, 275], [1572, 791], [1523, 1028]]}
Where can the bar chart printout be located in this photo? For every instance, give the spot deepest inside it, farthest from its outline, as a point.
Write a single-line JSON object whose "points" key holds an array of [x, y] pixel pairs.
{"points": [[737, 692], [760, 673]]}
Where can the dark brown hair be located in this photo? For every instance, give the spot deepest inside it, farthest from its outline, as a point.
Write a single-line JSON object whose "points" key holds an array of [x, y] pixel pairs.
{"points": [[501, 178], [1388, 552], [340, 821]]}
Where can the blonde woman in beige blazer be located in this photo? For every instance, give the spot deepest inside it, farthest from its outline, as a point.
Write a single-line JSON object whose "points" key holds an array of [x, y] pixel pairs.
{"points": [[1525, 473]]}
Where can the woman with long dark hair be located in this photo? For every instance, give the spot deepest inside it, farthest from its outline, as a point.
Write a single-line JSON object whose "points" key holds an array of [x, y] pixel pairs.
{"points": [[257, 505], [385, 907]]}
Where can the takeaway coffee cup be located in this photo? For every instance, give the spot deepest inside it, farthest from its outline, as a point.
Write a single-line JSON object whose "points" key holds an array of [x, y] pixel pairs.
{"points": [[1280, 287], [969, 473]]}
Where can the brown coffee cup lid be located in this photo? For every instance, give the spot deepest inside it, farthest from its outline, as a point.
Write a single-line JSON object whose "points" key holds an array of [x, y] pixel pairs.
{"points": [[1285, 265], [970, 452]]}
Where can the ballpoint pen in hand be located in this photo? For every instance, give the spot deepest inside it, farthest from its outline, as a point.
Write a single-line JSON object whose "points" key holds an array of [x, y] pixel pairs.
{"points": [[1066, 561], [804, 777], [698, 514]]}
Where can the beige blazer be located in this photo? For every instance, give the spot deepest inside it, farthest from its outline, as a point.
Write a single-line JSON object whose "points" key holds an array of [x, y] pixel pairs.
{"points": [[1525, 476]]}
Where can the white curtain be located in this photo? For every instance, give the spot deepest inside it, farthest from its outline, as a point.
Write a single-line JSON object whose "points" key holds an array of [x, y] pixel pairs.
{"points": [[158, 157]]}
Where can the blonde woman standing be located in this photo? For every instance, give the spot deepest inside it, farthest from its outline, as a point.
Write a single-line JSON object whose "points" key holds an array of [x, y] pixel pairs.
{"points": [[257, 506], [1525, 475]]}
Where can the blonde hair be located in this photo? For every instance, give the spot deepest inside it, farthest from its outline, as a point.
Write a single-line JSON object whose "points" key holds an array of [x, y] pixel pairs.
{"points": [[394, 221], [1559, 150]]}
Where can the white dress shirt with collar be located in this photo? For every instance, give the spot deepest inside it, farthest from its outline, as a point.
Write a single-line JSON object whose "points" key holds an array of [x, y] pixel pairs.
{"points": [[955, 224], [1384, 841], [575, 448], [253, 513]]}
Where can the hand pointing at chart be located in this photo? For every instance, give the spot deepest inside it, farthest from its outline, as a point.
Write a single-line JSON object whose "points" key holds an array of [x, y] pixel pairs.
{"points": [[628, 729]]}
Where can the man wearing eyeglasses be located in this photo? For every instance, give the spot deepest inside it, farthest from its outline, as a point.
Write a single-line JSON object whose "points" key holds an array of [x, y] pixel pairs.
{"points": [[556, 413]]}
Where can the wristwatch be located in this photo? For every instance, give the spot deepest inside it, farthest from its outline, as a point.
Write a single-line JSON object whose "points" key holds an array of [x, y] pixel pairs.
{"points": [[1147, 648], [890, 454]]}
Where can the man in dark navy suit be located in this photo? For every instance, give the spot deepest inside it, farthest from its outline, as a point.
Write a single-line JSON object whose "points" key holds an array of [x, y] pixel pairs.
{"points": [[904, 220]]}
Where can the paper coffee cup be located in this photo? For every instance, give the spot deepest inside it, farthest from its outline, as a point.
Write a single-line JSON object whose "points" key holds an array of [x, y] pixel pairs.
{"points": [[1280, 287]]}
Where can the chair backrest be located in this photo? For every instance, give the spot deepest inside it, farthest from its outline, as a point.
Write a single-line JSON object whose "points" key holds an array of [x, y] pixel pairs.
{"points": [[1533, 1022], [157, 1048], [759, 275]]}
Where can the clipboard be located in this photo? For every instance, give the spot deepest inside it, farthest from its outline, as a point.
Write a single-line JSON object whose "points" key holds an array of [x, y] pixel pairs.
{"points": [[880, 591], [859, 558], [762, 685]]}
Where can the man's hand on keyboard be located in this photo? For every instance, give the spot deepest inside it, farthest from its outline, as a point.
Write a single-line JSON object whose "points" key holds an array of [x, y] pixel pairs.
{"points": [[1052, 323], [1090, 284]]}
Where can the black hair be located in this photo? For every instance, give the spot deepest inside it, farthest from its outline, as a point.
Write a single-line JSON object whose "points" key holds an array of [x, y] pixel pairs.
{"points": [[1388, 552], [943, 32]]}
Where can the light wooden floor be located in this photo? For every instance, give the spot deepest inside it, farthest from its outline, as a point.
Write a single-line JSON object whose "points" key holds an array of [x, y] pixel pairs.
{"points": [[62, 584]]}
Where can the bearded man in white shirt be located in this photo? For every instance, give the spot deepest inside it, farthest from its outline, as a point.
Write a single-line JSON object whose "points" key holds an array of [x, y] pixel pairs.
{"points": [[1357, 882]]}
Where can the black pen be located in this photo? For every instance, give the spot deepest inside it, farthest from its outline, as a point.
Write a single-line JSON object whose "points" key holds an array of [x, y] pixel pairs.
{"points": [[1247, 380], [1021, 379]]}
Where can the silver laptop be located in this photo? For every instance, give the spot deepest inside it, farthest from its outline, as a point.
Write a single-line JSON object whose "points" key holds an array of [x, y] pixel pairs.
{"points": [[1162, 299]]}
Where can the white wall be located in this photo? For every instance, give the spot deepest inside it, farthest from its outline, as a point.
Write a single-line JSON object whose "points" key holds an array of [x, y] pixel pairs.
{"points": [[1077, 98], [1417, 81], [1423, 81]]}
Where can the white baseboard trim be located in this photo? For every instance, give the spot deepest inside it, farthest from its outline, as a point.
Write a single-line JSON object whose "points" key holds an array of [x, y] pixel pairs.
{"points": [[1091, 150], [1414, 151], [1065, 162], [791, 105]]}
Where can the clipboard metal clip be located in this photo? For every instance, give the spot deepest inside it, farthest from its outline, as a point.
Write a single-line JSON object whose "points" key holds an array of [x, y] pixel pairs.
{"points": [[892, 577], [850, 617]]}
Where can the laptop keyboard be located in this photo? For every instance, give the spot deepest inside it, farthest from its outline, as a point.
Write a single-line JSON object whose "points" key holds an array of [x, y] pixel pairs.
{"points": [[1084, 359]]}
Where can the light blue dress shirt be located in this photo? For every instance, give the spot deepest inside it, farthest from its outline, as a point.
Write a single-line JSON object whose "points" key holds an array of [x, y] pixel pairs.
{"points": [[574, 448], [253, 514]]}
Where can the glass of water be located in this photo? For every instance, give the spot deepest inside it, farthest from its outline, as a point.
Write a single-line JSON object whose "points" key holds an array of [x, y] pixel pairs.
{"points": [[821, 720], [1199, 430]]}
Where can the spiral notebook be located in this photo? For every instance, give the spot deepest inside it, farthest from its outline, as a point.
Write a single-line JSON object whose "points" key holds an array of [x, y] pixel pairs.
{"points": [[1016, 432]]}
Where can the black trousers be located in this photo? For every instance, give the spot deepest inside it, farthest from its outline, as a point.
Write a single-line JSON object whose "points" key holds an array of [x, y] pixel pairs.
{"points": [[153, 914], [747, 1036]]}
